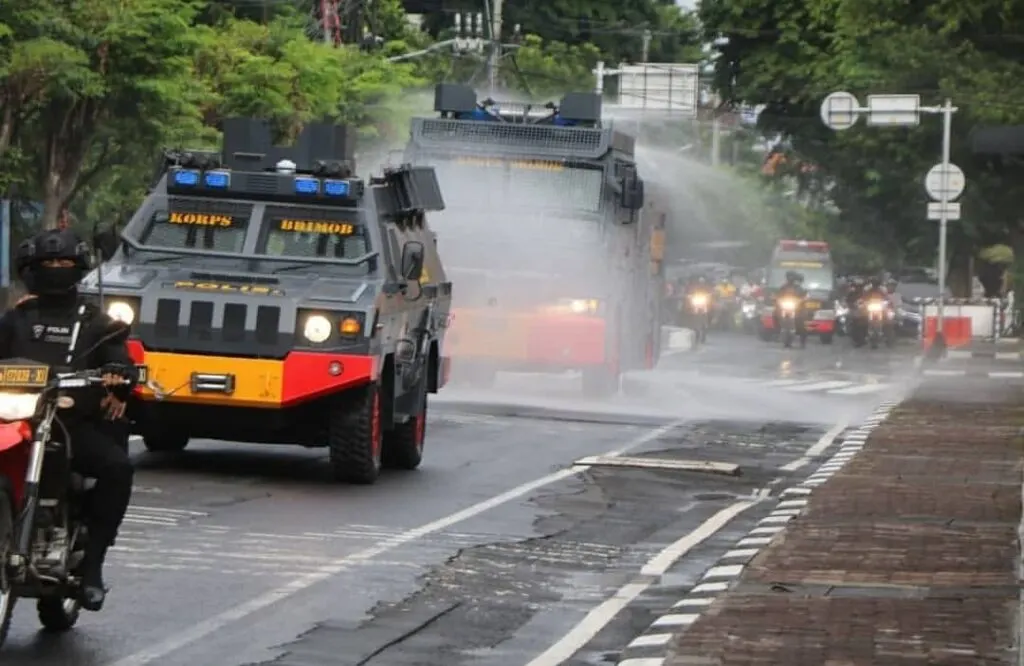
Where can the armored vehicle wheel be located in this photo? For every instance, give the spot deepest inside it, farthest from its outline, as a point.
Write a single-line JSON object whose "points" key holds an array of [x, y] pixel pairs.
{"points": [[600, 382], [165, 442], [354, 437], [403, 446], [7, 598], [57, 614]]}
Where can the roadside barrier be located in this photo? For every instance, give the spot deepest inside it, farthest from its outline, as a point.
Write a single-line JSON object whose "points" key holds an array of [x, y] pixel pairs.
{"points": [[964, 320]]}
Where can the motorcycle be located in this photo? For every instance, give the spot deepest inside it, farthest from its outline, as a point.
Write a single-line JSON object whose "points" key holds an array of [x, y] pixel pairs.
{"points": [[747, 315], [788, 328], [879, 329], [42, 532], [699, 308]]}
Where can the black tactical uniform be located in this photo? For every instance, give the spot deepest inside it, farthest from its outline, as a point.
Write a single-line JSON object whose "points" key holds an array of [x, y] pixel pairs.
{"points": [[793, 288], [40, 329]]}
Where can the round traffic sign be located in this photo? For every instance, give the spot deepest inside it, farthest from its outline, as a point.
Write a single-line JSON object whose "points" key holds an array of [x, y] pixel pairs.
{"points": [[839, 110], [945, 182]]}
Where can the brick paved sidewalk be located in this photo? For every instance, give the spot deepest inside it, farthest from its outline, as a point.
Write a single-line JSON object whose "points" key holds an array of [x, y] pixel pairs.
{"points": [[906, 556]]}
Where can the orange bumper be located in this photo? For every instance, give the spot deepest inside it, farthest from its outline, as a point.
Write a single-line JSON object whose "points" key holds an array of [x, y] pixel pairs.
{"points": [[527, 339], [262, 383]]}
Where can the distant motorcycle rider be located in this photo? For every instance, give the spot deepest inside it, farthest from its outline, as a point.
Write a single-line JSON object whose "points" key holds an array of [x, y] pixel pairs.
{"points": [[792, 288], [40, 328]]}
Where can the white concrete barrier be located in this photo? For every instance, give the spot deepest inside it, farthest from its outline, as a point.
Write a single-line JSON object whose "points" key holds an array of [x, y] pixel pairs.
{"points": [[677, 339]]}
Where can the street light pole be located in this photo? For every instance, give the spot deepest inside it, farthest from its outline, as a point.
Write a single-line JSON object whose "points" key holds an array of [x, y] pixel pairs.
{"points": [[945, 180]]}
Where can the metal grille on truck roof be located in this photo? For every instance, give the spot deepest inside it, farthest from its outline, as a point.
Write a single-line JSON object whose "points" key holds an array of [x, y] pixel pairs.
{"points": [[513, 138]]}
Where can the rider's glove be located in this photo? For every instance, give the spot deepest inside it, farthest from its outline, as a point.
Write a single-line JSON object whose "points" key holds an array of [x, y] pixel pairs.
{"points": [[121, 370]]}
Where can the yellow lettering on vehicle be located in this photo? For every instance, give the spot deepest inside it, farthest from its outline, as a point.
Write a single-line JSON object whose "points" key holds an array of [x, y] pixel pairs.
{"points": [[256, 290], [201, 219], [537, 165], [316, 227], [425, 276]]}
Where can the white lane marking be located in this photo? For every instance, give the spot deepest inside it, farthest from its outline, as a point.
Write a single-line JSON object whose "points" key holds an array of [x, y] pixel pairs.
{"points": [[651, 640], [243, 610], [1006, 375], [858, 390], [816, 450], [778, 383], [818, 386], [699, 601], [600, 616]]}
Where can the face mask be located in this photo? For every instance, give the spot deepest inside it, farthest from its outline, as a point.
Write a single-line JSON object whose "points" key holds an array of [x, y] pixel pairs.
{"points": [[55, 281]]}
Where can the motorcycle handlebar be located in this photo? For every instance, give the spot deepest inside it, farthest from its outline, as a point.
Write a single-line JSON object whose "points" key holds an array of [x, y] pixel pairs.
{"points": [[85, 378]]}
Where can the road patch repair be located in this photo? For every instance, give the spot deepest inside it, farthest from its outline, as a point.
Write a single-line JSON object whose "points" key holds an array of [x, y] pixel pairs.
{"points": [[905, 552]]}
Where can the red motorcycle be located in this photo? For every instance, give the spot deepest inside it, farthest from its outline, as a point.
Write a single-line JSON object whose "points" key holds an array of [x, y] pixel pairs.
{"points": [[42, 534]]}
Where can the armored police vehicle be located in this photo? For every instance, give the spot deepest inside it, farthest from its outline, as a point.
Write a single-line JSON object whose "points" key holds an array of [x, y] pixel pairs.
{"points": [[276, 298], [548, 232]]}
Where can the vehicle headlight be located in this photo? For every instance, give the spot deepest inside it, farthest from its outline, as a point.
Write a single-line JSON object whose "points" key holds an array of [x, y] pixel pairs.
{"points": [[121, 311], [18, 406], [874, 306], [699, 299], [787, 304], [317, 328], [582, 305]]}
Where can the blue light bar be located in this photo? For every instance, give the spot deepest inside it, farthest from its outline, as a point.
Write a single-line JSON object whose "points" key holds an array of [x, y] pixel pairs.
{"points": [[186, 178], [307, 186], [217, 180], [336, 188]]}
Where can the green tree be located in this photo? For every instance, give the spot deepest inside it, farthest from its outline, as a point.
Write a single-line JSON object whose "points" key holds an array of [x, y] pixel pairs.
{"points": [[790, 54], [117, 69]]}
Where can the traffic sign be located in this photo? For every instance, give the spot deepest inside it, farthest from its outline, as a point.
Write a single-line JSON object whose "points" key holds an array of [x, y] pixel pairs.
{"points": [[894, 110], [945, 182], [839, 110], [937, 208]]}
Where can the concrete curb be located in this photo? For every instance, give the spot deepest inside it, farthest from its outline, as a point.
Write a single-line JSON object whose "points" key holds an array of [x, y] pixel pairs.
{"points": [[961, 354], [652, 647], [1014, 374]]}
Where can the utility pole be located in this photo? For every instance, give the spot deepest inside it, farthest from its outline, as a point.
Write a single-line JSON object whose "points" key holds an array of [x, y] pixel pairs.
{"points": [[646, 49], [495, 54]]}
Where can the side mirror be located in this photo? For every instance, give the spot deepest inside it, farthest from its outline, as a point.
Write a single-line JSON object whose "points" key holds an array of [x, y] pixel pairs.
{"points": [[106, 243], [412, 260], [632, 197]]}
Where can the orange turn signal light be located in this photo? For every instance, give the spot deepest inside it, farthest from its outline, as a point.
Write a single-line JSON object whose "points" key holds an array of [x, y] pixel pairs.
{"points": [[349, 326]]}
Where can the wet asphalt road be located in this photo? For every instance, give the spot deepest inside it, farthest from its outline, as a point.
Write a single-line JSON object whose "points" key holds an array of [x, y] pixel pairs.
{"points": [[491, 553]]}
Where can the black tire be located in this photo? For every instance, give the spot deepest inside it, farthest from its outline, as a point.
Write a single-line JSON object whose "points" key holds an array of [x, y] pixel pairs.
{"points": [[787, 339], [403, 446], [58, 614], [165, 442], [7, 598], [826, 338], [354, 437], [803, 341], [600, 382]]}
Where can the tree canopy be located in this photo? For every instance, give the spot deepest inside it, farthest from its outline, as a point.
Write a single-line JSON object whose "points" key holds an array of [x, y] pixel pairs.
{"points": [[788, 55]]}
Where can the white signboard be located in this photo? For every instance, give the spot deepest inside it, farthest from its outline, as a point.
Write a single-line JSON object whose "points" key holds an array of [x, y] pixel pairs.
{"points": [[937, 208], [945, 183], [664, 87]]}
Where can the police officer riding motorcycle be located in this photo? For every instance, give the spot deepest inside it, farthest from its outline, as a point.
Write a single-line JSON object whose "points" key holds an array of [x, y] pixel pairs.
{"points": [[878, 313], [698, 303], [789, 310], [53, 326]]}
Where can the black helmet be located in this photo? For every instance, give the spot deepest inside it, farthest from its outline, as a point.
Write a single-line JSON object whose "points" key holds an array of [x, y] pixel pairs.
{"points": [[792, 276], [53, 244]]}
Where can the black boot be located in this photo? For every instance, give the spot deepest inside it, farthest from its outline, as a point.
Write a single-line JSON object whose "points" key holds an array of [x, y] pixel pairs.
{"points": [[93, 592]]}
